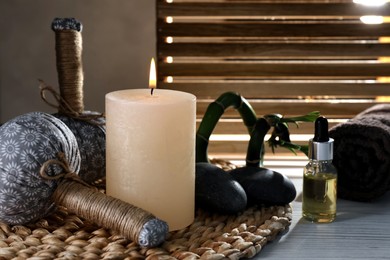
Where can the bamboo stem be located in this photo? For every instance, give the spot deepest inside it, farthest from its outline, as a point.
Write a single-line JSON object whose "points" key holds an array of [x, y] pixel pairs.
{"points": [[212, 115], [254, 153]]}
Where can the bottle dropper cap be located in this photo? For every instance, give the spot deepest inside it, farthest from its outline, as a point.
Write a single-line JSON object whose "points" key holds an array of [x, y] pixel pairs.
{"points": [[321, 146]]}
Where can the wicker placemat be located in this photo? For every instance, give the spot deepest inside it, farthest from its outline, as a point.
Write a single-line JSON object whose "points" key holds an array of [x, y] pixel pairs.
{"points": [[211, 236]]}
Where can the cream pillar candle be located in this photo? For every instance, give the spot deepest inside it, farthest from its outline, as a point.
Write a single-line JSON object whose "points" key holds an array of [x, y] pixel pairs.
{"points": [[151, 152]]}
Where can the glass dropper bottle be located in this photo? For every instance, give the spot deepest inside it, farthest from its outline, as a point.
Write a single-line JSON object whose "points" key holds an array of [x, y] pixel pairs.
{"points": [[320, 177]]}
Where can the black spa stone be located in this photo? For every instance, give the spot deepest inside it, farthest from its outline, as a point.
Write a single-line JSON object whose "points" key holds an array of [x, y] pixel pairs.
{"points": [[217, 191], [264, 186]]}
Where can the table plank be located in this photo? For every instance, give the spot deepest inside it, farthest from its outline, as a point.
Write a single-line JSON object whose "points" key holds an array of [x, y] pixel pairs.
{"points": [[360, 231]]}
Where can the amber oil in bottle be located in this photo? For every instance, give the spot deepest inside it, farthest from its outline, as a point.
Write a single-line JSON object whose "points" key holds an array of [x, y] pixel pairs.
{"points": [[320, 177]]}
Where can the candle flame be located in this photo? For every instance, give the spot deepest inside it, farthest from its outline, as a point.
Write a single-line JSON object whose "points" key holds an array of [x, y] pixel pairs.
{"points": [[152, 76]]}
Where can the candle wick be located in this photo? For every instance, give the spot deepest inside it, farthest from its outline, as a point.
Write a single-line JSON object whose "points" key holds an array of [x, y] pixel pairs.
{"points": [[151, 91]]}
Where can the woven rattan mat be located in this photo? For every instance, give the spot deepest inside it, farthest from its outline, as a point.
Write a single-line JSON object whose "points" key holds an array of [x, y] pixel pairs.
{"points": [[211, 236]]}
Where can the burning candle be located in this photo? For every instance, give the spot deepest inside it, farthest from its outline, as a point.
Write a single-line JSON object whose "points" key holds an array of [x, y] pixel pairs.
{"points": [[150, 151]]}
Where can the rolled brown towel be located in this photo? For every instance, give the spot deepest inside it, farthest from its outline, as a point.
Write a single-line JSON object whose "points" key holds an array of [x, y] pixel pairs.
{"points": [[362, 154]]}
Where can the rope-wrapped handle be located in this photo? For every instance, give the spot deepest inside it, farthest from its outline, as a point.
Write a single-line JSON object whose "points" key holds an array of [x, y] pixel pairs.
{"points": [[68, 45], [130, 221], [79, 198]]}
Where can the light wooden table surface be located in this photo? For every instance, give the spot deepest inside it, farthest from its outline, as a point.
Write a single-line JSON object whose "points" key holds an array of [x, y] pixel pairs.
{"points": [[360, 231]]}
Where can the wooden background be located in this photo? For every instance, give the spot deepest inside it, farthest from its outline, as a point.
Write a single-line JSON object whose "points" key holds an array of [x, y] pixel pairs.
{"points": [[288, 57]]}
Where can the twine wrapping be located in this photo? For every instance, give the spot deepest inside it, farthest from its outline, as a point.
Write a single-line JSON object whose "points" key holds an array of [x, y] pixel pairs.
{"points": [[65, 108], [68, 45], [67, 174], [210, 236], [130, 221], [69, 64], [87, 126]]}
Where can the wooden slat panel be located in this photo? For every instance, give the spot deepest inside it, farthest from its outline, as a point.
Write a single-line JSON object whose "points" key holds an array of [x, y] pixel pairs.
{"points": [[282, 90], [338, 109], [270, 69], [313, 56], [267, 9], [238, 148], [272, 29], [275, 50], [227, 126], [259, 1], [236, 126]]}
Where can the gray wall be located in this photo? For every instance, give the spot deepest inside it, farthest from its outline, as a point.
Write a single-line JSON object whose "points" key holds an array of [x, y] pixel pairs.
{"points": [[118, 43]]}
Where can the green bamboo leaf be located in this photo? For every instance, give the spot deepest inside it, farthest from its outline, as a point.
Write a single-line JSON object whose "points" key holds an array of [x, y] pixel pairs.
{"points": [[310, 117], [273, 119]]}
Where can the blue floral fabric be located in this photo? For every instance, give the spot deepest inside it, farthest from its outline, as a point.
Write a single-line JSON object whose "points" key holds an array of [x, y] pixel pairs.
{"points": [[91, 139], [60, 24], [26, 143], [153, 233]]}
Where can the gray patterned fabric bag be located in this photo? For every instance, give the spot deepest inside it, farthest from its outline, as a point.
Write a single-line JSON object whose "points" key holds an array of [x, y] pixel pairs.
{"points": [[26, 143], [91, 140]]}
